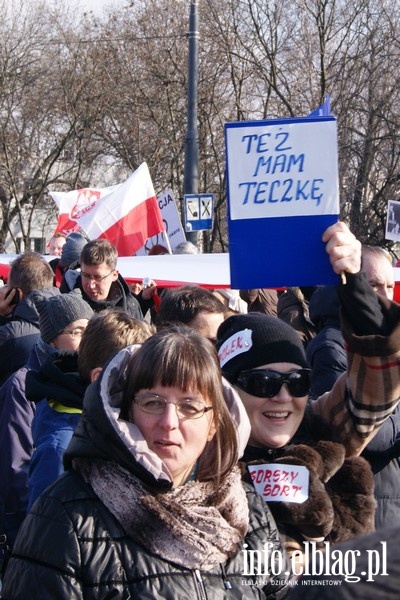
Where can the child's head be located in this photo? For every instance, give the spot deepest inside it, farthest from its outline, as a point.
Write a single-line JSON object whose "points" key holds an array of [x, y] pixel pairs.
{"points": [[62, 319], [108, 332]]}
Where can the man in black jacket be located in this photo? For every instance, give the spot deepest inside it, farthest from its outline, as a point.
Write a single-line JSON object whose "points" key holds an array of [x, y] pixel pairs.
{"points": [[19, 329], [101, 284]]}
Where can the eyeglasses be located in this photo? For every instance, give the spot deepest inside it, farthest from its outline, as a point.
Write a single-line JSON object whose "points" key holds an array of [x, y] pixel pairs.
{"points": [[73, 332], [95, 278], [189, 408], [266, 383]]}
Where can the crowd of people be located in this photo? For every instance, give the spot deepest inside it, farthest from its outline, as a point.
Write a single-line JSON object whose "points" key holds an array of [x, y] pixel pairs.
{"points": [[155, 449]]}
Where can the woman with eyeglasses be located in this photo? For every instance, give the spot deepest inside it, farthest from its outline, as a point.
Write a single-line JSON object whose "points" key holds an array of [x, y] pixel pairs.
{"points": [[153, 504], [264, 359]]}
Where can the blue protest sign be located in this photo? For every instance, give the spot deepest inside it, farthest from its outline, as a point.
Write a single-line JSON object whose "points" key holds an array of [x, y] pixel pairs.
{"points": [[282, 184]]}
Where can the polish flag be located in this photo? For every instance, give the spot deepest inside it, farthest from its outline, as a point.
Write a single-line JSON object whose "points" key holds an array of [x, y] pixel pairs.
{"points": [[126, 214]]}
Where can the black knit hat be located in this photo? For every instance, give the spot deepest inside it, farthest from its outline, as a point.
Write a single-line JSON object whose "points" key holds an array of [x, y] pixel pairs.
{"points": [[254, 339], [57, 312], [71, 250]]}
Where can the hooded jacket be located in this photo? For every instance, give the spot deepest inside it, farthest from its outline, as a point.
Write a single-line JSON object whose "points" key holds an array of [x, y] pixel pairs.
{"points": [[85, 550]]}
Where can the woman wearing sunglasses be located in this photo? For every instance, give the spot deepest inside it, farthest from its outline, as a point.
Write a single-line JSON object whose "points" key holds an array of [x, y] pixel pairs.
{"points": [[152, 505], [264, 359]]}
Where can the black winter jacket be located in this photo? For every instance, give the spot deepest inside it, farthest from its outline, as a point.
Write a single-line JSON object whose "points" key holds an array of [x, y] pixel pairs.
{"points": [[72, 547], [119, 296]]}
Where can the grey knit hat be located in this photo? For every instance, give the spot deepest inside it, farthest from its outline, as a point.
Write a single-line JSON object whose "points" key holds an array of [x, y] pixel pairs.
{"points": [[251, 340], [57, 312], [71, 251]]}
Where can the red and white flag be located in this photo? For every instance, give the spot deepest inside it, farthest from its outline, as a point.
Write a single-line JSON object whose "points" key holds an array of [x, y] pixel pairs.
{"points": [[126, 214]]}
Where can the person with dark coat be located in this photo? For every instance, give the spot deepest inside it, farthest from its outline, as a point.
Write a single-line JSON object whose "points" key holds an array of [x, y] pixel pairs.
{"points": [[152, 505], [370, 570], [68, 259], [326, 353], [327, 357], [265, 360], [261, 300], [293, 308], [101, 284], [60, 317], [19, 330]]}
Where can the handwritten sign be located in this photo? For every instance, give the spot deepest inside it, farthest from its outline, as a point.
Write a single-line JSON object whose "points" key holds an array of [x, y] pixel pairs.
{"points": [[172, 222], [280, 482], [236, 344], [282, 195]]}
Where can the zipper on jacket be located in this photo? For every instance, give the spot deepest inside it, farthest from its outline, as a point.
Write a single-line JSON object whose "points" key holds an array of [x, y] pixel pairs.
{"points": [[199, 585], [227, 584]]}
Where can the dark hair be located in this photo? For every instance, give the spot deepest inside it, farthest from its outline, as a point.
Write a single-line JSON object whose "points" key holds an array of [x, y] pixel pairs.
{"points": [[30, 272], [106, 333], [97, 252], [158, 249], [180, 357], [183, 304]]}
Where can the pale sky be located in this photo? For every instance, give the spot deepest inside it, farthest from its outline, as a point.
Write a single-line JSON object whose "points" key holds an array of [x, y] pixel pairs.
{"points": [[97, 5]]}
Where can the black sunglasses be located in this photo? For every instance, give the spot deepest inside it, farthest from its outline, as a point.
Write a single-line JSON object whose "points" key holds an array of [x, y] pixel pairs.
{"points": [[265, 383]]}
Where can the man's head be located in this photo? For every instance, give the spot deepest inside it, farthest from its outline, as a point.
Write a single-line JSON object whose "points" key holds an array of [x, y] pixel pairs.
{"points": [[98, 268], [185, 248], [56, 243], [193, 306], [30, 272], [378, 268], [71, 251], [108, 332]]}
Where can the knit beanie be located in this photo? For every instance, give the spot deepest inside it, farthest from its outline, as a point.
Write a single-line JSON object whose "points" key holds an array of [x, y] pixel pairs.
{"points": [[71, 251], [254, 339], [57, 312]]}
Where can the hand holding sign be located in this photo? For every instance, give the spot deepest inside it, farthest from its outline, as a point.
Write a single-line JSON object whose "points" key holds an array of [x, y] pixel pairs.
{"points": [[343, 248]]}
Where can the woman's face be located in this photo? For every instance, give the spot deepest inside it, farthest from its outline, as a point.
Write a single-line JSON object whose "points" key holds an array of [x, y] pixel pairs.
{"points": [[178, 442], [274, 421]]}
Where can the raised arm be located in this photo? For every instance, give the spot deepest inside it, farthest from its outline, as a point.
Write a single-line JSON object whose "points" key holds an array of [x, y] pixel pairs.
{"points": [[366, 395]]}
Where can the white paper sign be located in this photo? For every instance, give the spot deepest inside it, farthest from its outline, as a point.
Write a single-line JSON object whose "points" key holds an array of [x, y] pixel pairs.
{"points": [[172, 221], [393, 221], [282, 168], [280, 482], [236, 344]]}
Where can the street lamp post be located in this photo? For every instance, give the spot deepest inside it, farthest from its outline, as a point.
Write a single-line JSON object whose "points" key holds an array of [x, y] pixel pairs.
{"points": [[191, 170]]}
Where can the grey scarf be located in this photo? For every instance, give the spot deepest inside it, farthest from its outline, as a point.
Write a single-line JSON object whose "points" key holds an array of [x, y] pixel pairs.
{"points": [[188, 525]]}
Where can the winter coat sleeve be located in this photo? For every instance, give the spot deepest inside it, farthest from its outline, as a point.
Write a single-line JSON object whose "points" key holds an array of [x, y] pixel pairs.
{"points": [[367, 394], [327, 358], [32, 567], [16, 414]]}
